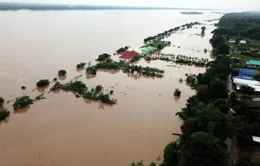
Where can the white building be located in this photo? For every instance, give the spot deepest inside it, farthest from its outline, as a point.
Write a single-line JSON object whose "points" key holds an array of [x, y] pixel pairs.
{"points": [[242, 42], [231, 41], [252, 83]]}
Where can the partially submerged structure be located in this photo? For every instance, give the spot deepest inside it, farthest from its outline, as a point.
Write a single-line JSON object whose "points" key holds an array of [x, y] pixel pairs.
{"points": [[128, 55], [253, 63], [148, 50]]}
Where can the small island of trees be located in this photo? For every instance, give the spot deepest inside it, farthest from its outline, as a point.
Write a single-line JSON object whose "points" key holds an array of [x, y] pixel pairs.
{"points": [[177, 93], [122, 49], [167, 33], [42, 83], [109, 64], [191, 60], [1, 101], [62, 73], [22, 102], [103, 57], [82, 90], [4, 113], [81, 65]]}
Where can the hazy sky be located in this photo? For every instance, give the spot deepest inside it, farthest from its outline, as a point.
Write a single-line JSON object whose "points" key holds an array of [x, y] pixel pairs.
{"points": [[216, 4]]}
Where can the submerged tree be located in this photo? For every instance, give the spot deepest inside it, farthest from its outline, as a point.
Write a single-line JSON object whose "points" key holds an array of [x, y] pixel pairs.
{"points": [[42, 83], [177, 93], [62, 73], [81, 65], [22, 102], [1, 101], [4, 114]]}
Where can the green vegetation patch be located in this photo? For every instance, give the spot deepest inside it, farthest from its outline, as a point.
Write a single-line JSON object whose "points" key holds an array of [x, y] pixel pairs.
{"points": [[91, 70], [126, 68], [177, 93], [122, 49], [4, 114], [42, 83], [103, 57], [1, 101], [243, 58], [81, 90], [62, 73], [22, 102], [81, 65], [136, 58]]}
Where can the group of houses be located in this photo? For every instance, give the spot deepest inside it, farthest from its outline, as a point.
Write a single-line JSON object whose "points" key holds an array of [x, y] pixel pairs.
{"points": [[246, 78], [128, 55]]}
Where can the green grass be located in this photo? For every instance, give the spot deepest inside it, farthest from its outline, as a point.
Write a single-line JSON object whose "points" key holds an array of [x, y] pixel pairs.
{"points": [[253, 43], [250, 44], [244, 58]]}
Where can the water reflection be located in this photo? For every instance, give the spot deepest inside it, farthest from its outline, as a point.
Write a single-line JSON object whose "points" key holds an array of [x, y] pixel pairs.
{"points": [[42, 89], [62, 77], [22, 111], [90, 76]]}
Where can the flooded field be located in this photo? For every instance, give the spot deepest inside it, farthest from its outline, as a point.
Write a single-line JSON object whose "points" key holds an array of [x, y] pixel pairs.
{"points": [[63, 130]]}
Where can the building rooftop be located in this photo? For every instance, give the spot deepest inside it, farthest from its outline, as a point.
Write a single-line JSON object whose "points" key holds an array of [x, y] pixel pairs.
{"points": [[242, 82], [247, 74], [256, 139], [253, 62], [128, 54], [148, 49]]}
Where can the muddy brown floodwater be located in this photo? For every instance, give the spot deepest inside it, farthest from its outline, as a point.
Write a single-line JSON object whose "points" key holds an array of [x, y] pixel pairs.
{"points": [[63, 130]]}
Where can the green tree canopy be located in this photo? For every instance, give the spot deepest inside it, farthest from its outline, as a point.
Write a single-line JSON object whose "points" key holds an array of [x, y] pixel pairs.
{"points": [[1, 101], [203, 149]]}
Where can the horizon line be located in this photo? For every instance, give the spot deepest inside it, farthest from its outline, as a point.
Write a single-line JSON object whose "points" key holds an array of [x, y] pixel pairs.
{"points": [[68, 5]]}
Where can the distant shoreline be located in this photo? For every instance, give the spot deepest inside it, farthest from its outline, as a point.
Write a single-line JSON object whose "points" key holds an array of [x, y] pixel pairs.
{"points": [[192, 13], [38, 6]]}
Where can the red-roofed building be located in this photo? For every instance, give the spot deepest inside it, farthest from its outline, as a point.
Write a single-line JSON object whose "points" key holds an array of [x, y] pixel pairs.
{"points": [[128, 54]]}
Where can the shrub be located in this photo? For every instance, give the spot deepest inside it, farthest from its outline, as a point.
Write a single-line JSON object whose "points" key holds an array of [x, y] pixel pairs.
{"points": [[1, 101], [105, 98], [81, 65], [122, 49], [147, 58], [42, 83], [91, 70], [62, 73], [22, 102], [177, 93], [135, 58], [77, 87], [57, 86], [152, 164], [192, 80], [98, 88], [4, 114], [39, 97], [103, 57]]}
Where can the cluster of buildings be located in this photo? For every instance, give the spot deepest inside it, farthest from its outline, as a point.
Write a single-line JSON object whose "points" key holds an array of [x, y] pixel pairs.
{"points": [[245, 78], [128, 55]]}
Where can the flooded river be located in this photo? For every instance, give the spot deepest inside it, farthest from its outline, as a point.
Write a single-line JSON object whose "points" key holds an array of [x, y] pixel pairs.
{"points": [[63, 130]]}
